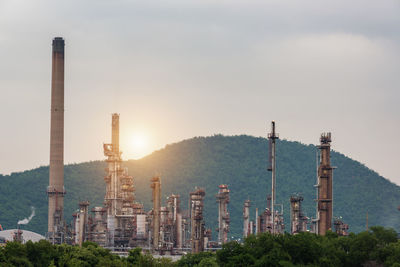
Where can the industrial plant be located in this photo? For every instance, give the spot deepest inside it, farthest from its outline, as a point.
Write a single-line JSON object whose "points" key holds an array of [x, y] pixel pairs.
{"points": [[123, 223]]}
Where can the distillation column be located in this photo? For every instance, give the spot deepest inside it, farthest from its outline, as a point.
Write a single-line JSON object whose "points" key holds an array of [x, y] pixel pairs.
{"points": [[112, 199], [197, 223], [272, 168], [175, 217], [156, 186], [324, 186], [246, 219], [83, 221], [257, 222], [223, 214], [119, 198], [298, 220], [99, 228], [55, 190]]}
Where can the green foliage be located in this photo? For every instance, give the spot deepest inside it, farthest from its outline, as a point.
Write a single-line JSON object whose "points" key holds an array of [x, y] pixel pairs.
{"points": [[370, 248], [134, 256], [390, 254], [239, 161], [43, 253], [137, 258], [383, 235], [306, 249], [208, 262], [234, 254], [190, 259]]}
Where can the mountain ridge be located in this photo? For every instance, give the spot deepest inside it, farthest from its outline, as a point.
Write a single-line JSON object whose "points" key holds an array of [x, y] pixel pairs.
{"points": [[239, 161]]}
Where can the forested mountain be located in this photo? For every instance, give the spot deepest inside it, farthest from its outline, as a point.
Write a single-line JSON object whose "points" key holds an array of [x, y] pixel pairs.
{"points": [[239, 161]]}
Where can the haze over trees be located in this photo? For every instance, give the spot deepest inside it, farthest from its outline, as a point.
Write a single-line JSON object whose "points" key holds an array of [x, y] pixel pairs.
{"points": [[239, 161]]}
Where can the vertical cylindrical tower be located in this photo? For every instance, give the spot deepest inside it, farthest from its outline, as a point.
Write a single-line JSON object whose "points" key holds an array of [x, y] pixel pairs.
{"points": [[175, 218], [55, 189], [113, 198], [223, 214], [257, 228], [156, 186], [296, 214], [251, 225], [197, 223], [115, 132], [246, 219], [325, 197], [272, 167], [83, 221], [179, 235]]}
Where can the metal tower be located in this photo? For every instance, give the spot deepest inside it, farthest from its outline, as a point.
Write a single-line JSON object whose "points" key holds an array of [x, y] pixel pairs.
{"points": [[272, 168]]}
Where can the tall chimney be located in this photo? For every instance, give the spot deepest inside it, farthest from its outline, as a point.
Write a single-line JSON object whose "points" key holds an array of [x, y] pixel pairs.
{"points": [[55, 189], [325, 196]]}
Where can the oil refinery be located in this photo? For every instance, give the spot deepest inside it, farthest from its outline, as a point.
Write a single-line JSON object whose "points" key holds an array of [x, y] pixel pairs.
{"points": [[123, 223]]}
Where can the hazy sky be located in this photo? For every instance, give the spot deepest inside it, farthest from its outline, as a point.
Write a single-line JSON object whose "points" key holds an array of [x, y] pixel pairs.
{"points": [[178, 69]]}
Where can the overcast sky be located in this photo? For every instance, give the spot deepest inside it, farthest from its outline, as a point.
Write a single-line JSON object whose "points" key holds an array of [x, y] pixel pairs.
{"points": [[178, 69]]}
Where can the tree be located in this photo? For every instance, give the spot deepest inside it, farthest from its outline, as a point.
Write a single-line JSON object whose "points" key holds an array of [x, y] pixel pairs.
{"points": [[384, 235], [193, 259], [208, 262], [134, 256]]}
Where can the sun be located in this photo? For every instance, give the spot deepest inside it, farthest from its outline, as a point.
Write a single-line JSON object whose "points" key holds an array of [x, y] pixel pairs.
{"points": [[139, 143]]}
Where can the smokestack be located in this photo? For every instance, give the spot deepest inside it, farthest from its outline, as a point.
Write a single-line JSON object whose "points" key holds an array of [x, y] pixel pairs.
{"points": [[55, 190], [325, 196]]}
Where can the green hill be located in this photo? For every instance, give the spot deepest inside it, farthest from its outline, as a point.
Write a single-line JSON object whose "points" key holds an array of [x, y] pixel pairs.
{"points": [[239, 161]]}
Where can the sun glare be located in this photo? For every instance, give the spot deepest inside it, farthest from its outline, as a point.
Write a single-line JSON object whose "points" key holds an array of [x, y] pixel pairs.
{"points": [[139, 145], [139, 141]]}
